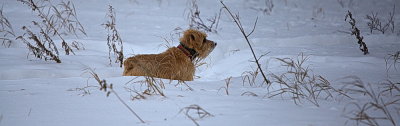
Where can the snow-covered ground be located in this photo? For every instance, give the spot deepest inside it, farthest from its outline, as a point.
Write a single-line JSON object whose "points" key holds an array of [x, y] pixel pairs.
{"points": [[42, 93]]}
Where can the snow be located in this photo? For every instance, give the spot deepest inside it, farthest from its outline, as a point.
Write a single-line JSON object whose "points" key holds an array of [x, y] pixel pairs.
{"points": [[36, 92]]}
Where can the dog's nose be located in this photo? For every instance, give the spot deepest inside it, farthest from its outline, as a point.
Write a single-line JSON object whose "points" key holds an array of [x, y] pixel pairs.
{"points": [[215, 44]]}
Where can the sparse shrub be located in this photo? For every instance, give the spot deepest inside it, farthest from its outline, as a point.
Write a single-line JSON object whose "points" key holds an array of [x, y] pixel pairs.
{"points": [[196, 22], [114, 40], [300, 83], [376, 24], [6, 30], [236, 19], [378, 106], [195, 113], [356, 32]]}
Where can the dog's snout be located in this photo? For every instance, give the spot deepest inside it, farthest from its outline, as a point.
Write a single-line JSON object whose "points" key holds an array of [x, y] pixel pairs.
{"points": [[214, 43]]}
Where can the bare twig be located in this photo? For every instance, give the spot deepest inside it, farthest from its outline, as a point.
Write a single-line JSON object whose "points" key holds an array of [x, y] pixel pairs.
{"points": [[236, 19]]}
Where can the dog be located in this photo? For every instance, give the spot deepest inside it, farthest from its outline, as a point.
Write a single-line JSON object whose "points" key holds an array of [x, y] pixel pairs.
{"points": [[176, 63]]}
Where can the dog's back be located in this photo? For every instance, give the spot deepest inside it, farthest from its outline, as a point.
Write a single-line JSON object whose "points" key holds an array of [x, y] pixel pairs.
{"points": [[171, 64]]}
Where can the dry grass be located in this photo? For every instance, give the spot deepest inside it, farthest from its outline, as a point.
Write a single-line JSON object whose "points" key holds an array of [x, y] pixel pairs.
{"points": [[83, 91], [114, 40], [196, 22], [250, 77], [169, 39], [391, 61], [153, 86], [248, 93], [6, 30], [356, 32], [57, 20], [300, 83], [180, 83], [378, 105], [108, 89], [227, 83], [195, 113], [374, 105], [44, 47]]}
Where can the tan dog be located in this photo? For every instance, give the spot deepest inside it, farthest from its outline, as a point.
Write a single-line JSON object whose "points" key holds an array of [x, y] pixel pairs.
{"points": [[177, 63]]}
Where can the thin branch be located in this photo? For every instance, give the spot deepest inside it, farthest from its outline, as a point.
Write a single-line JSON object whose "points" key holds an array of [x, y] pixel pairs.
{"points": [[236, 19], [254, 27]]}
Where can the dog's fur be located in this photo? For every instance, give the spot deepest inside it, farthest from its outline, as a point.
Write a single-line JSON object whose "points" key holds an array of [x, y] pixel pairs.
{"points": [[175, 63]]}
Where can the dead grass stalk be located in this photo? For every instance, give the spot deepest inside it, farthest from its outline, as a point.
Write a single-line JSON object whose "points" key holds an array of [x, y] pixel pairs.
{"points": [[114, 40], [108, 88]]}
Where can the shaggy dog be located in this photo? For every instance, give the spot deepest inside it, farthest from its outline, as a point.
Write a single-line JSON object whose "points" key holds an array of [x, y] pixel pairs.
{"points": [[177, 63]]}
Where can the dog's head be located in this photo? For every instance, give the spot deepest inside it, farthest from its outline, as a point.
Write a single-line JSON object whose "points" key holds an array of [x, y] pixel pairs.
{"points": [[198, 41]]}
